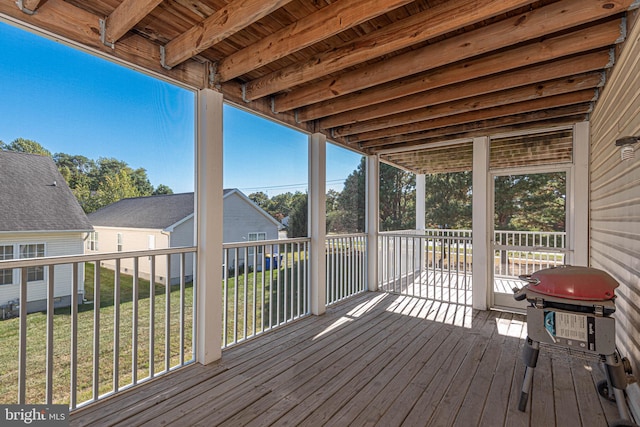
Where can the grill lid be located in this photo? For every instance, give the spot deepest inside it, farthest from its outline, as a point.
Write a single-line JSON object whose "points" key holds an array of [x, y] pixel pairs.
{"points": [[572, 282]]}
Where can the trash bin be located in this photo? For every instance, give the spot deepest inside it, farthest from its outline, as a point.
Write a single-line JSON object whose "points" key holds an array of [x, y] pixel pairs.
{"points": [[269, 259]]}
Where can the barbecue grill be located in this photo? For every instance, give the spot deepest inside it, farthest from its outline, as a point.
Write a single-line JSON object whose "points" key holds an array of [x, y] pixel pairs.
{"points": [[571, 307]]}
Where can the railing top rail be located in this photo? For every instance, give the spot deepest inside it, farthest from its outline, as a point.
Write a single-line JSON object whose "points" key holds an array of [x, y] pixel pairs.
{"points": [[348, 235], [265, 242], [541, 233], [427, 236], [68, 259]]}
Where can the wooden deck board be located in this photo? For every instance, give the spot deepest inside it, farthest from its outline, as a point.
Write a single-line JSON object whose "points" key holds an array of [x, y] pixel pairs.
{"points": [[377, 359]]}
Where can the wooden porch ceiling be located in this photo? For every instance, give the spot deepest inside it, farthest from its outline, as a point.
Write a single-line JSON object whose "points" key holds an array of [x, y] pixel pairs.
{"points": [[372, 75]]}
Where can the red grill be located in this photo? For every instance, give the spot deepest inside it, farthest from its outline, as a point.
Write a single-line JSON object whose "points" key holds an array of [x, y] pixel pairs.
{"points": [[570, 307]]}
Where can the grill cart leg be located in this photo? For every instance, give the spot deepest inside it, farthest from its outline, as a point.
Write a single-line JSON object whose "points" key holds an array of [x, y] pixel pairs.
{"points": [[530, 353], [617, 382]]}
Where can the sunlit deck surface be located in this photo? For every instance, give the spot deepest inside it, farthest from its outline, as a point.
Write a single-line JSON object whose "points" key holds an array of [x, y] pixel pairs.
{"points": [[376, 359]]}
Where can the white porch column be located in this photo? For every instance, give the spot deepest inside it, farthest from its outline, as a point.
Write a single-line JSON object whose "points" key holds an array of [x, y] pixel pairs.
{"points": [[481, 228], [372, 220], [317, 221], [421, 185], [578, 236], [421, 213], [209, 226]]}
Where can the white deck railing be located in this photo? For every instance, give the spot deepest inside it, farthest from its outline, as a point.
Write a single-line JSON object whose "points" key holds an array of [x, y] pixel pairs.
{"points": [[346, 266], [437, 267], [130, 330], [524, 252], [111, 342], [265, 285]]}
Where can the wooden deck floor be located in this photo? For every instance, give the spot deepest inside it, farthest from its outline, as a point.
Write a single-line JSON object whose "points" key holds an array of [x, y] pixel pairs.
{"points": [[377, 359]]}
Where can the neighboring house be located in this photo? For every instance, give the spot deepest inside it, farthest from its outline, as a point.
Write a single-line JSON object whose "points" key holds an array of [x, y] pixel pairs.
{"points": [[39, 217], [165, 221]]}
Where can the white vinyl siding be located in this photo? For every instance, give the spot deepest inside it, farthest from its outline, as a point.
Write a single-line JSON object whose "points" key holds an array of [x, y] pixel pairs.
{"points": [[56, 244], [614, 234]]}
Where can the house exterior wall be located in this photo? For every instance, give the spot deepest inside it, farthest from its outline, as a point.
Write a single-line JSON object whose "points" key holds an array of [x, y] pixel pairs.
{"points": [[56, 244], [240, 219], [133, 239], [182, 235], [615, 192]]}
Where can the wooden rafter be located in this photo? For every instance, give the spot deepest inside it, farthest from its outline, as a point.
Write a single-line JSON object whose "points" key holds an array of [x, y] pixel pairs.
{"points": [[531, 25], [489, 100], [578, 97], [125, 17], [373, 75], [30, 6], [494, 83], [599, 36], [481, 126], [318, 26], [227, 21], [436, 21]]}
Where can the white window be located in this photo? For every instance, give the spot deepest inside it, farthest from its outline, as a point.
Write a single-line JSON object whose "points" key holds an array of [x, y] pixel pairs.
{"points": [[254, 237], [36, 250], [92, 241], [152, 241], [119, 242], [6, 276]]}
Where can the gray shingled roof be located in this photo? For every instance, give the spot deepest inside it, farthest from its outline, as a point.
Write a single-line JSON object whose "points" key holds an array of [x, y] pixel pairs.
{"points": [[145, 212], [29, 199]]}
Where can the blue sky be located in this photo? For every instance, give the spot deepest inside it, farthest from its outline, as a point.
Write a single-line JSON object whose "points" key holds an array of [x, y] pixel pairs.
{"points": [[76, 103]]}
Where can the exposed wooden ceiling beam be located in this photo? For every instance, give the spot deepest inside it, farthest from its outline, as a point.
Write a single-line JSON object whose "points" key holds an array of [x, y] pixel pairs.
{"points": [[438, 20], [525, 27], [80, 26], [125, 17], [595, 37], [479, 127], [227, 21], [524, 76], [489, 113], [489, 100], [29, 6], [324, 23]]}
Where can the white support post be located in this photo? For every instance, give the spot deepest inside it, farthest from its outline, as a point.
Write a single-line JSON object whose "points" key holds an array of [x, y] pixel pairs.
{"points": [[420, 259], [421, 188], [317, 221], [372, 220], [209, 216], [481, 226], [578, 209]]}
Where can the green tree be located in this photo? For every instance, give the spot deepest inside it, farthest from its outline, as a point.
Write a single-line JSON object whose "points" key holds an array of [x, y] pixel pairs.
{"points": [[74, 169], [114, 188], [298, 216], [261, 199], [162, 189], [26, 146], [397, 199], [281, 205], [448, 200], [351, 209], [534, 202]]}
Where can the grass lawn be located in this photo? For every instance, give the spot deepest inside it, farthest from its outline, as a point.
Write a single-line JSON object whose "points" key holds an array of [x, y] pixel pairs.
{"points": [[36, 341], [264, 306]]}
